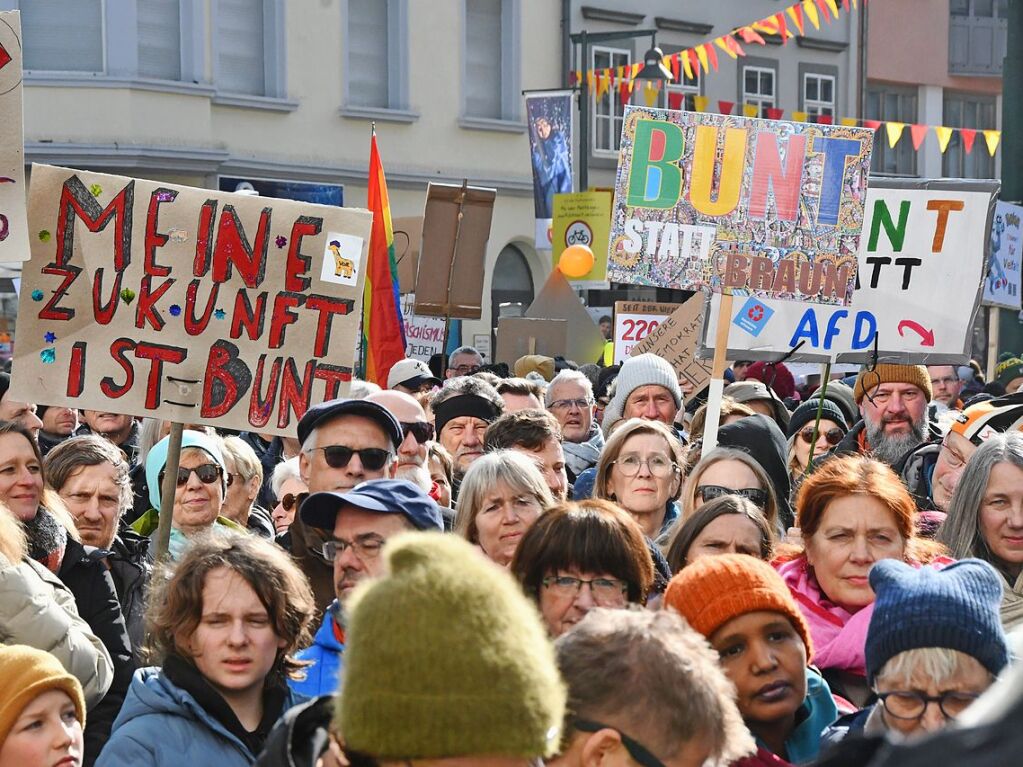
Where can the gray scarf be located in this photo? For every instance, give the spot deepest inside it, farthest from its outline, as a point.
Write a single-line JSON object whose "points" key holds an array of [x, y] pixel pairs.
{"points": [[580, 456]]}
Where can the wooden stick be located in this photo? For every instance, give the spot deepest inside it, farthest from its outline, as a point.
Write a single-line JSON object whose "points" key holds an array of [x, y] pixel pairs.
{"points": [[168, 490], [717, 375]]}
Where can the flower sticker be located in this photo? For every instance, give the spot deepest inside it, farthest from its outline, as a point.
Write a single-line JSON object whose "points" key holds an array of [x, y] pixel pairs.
{"points": [[48, 356], [175, 310], [95, 190], [219, 314], [281, 241]]}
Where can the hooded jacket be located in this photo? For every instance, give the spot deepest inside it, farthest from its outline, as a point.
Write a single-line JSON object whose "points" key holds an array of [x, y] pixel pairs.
{"points": [[163, 725], [762, 438], [325, 653], [301, 737]]}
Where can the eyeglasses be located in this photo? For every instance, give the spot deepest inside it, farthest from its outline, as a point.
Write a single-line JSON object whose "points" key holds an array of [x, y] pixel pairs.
{"points": [[833, 436], [208, 473], [338, 456], [605, 591], [953, 457], [569, 404], [289, 500], [658, 465], [466, 370], [947, 381], [753, 494], [910, 705], [637, 750], [365, 548], [420, 430]]}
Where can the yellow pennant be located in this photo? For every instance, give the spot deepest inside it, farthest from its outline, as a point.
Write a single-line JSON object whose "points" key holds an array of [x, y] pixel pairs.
{"points": [[849, 122], [991, 138], [720, 42], [833, 6], [701, 54], [894, 132], [649, 95], [603, 83], [684, 58], [700, 102], [944, 135], [799, 117], [811, 13], [750, 110]]}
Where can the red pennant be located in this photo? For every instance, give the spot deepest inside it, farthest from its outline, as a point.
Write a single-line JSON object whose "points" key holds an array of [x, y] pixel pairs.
{"points": [[694, 60], [918, 133], [872, 124], [713, 56], [968, 134], [845, 5], [825, 120], [725, 107], [825, 11], [783, 28], [571, 78], [798, 10], [676, 69], [675, 100], [774, 113]]}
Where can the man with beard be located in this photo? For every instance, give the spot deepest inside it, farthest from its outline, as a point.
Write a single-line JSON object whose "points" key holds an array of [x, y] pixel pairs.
{"points": [[462, 411], [356, 524], [893, 409]]}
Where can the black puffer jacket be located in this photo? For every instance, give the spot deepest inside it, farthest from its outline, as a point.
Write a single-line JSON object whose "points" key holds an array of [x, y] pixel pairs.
{"points": [[300, 738], [86, 575], [131, 565]]}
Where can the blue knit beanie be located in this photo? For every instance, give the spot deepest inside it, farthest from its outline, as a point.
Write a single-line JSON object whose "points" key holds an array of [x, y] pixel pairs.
{"points": [[956, 607], [157, 458]]}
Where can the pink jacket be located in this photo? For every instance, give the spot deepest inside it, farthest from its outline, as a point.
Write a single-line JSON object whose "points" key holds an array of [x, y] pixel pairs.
{"points": [[839, 636]]}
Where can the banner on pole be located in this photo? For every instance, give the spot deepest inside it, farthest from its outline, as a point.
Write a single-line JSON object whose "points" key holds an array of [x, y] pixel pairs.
{"points": [[549, 116], [583, 218], [13, 217], [634, 321], [921, 270], [185, 304], [1002, 286], [732, 203]]}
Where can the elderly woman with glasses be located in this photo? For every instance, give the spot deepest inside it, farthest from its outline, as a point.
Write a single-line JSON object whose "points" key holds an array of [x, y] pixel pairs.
{"points": [[640, 469], [579, 556]]}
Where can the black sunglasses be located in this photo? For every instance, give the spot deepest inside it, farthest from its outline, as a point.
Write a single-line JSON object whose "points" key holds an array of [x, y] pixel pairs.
{"points": [[636, 750], [833, 436], [422, 431], [288, 500], [338, 456], [208, 473], [754, 494]]}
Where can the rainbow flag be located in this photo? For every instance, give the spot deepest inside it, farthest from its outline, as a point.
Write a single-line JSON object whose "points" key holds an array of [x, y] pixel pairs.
{"points": [[383, 330]]}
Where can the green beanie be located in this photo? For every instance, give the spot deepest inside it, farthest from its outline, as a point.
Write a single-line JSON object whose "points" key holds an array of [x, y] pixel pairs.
{"points": [[1009, 368], [446, 657]]}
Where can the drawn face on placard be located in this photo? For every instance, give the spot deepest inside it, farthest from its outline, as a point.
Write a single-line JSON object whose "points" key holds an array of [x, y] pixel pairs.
{"points": [[342, 259]]}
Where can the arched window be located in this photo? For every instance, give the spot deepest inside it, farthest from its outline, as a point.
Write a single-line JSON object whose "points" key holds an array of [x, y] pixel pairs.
{"points": [[512, 283]]}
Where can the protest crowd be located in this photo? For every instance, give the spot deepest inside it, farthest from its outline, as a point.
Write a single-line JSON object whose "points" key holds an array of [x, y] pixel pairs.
{"points": [[515, 570]]}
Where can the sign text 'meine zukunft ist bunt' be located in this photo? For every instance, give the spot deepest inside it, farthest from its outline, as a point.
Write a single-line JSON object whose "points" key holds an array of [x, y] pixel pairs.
{"points": [[737, 204], [186, 304]]}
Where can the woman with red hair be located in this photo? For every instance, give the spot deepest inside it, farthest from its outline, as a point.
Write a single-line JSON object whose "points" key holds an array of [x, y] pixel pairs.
{"points": [[852, 512]]}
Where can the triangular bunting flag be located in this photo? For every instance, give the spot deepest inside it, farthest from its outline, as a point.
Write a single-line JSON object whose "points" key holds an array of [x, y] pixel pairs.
{"points": [[825, 120], [833, 6], [918, 133], [799, 117], [872, 124], [991, 137], [686, 66], [676, 67], [675, 100], [783, 29], [701, 54], [750, 110], [848, 122], [725, 107], [811, 13], [943, 134], [649, 94], [723, 45], [968, 135], [774, 113], [701, 102], [750, 35], [694, 59], [590, 80], [795, 12], [624, 90], [894, 132], [602, 85], [845, 5], [712, 55]]}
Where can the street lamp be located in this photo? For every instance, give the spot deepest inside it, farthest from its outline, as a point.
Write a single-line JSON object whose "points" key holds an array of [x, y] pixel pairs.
{"points": [[653, 71]]}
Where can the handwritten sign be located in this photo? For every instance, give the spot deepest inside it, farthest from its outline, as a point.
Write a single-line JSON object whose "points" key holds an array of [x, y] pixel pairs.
{"points": [[676, 340], [1002, 286], [13, 217], [731, 203], [424, 336], [634, 321], [186, 304], [921, 266]]}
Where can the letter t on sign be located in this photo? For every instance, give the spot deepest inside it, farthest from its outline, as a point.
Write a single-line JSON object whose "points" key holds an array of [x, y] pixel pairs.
{"points": [[943, 207]]}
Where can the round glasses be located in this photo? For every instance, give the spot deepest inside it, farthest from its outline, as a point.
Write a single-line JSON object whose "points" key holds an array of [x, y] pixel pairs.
{"points": [[910, 704], [753, 494], [658, 465], [605, 591], [833, 436]]}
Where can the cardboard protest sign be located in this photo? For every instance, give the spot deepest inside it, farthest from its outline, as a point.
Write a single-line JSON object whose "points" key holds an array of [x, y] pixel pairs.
{"points": [[676, 340], [634, 321], [456, 228], [556, 300], [424, 336], [186, 304], [583, 218], [921, 267], [1002, 286], [731, 203], [519, 336], [408, 238], [13, 217]]}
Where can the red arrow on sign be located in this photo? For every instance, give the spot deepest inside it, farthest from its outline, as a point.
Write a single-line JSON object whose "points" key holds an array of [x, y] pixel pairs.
{"points": [[920, 330]]}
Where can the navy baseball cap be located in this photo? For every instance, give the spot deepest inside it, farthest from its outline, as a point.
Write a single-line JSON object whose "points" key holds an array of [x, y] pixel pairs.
{"points": [[334, 408], [383, 496]]}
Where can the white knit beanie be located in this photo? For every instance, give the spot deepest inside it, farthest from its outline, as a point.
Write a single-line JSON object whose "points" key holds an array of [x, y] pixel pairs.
{"points": [[641, 370]]}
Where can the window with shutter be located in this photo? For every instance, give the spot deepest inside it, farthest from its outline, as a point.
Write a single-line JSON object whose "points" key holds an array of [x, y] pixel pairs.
{"points": [[241, 47], [368, 59], [159, 23], [484, 56], [63, 35]]}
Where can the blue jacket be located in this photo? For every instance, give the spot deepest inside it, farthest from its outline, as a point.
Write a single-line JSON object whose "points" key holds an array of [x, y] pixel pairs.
{"points": [[161, 725], [816, 714], [325, 652]]}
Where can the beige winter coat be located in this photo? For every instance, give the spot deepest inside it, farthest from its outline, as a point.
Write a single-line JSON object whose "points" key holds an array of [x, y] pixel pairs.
{"points": [[36, 609]]}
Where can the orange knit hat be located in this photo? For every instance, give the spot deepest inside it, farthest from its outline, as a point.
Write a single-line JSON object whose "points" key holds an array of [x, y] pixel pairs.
{"points": [[713, 590]]}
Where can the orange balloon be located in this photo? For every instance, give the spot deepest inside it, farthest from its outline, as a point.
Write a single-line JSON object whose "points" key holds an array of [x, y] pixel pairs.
{"points": [[576, 261]]}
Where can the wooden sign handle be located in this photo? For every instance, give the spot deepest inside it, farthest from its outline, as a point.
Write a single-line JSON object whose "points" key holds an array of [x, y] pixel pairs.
{"points": [[717, 374]]}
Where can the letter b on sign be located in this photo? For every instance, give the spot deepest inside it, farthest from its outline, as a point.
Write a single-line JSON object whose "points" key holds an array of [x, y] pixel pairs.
{"points": [[655, 179]]}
